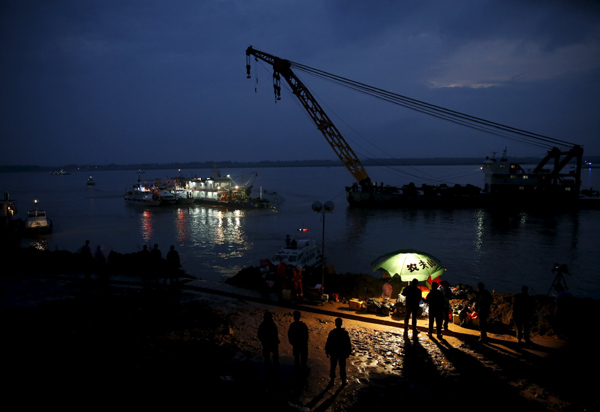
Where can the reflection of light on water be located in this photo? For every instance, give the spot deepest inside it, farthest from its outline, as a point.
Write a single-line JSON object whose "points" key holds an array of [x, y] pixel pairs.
{"points": [[479, 230], [38, 244], [146, 226], [220, 232], [181, 224]]}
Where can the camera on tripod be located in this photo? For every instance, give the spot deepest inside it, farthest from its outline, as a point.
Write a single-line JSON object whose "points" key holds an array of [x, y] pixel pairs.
{"points": [[560, 268], [559, 284]]}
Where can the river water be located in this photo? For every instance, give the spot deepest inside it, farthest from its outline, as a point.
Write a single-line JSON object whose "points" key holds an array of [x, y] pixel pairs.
{"points": [[505, 251]]}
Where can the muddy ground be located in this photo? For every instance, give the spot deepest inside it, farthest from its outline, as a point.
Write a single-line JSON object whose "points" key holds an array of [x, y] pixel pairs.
{"points": [[77, 343]]}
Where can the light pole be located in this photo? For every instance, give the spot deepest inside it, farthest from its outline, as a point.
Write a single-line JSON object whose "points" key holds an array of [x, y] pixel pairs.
{"points": [[318, 207]]}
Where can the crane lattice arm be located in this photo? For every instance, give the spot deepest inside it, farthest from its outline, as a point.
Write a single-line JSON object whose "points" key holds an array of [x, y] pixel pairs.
{"points": [[282, 68]]}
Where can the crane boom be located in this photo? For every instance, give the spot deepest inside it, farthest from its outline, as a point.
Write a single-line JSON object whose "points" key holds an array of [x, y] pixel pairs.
{"points": [[282, 68]]}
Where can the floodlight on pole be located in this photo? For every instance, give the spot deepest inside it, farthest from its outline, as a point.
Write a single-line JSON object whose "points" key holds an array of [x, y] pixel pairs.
{"points": [[321, 208]]}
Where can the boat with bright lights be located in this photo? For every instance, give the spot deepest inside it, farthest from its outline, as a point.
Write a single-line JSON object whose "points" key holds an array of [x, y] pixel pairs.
{"points": [[37, 222], [149, 194], [177, 186], [224, 191], [91, 181]]}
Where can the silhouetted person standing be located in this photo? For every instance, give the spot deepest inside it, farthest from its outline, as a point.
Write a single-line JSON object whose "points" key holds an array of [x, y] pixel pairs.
{"points": [[447, 293], [413, 296], [269, 338], [435, 300], [87, 260], [156, 262], [298, 337], [484, 308], [173, 265], [522, 314], [338, 349]]}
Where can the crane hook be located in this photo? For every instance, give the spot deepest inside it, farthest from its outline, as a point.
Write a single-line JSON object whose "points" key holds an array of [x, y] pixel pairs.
{"points": [[248, 67]]}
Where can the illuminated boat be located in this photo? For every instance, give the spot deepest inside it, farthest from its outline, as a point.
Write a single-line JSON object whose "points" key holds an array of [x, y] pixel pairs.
{"points": [[220, 190], [177, 186], [298, 252], [91, 181], [148, 195], [37, 222]]}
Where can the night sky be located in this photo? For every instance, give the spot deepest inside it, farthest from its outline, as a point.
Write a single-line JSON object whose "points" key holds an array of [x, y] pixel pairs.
{"points": [[148, 81]]}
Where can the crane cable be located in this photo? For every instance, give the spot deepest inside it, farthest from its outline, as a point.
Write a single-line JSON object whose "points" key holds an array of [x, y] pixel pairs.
{"points": [[437, 111]]}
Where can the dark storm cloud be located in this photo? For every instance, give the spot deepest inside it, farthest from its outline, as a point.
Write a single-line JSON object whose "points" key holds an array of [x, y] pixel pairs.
{"points": [[156, 81]]}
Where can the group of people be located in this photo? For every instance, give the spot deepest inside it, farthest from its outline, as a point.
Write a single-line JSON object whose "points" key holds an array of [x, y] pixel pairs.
{"points": [[438, 300], [337, 348], [155, 267], [152, 265], [289, 277]]}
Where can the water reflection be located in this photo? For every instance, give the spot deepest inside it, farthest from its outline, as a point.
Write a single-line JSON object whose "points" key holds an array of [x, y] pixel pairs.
{"points": [[38, 244], [181, 224], [216, 228], [146, 225], [479, 230]]}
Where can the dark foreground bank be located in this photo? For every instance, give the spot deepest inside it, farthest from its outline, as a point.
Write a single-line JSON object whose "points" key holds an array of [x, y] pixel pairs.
{"points": [[72, 342]]}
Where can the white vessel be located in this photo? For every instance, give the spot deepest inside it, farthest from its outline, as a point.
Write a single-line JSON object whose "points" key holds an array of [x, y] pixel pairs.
{"points": [[299, 252], [149, 195], [37, 222]]}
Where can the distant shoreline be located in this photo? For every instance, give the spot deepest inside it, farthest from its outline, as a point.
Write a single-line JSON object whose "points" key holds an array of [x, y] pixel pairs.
{"points": [[436, 161]]}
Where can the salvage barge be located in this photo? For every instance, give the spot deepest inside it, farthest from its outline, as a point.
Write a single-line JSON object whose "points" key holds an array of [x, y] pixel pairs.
{"points": [[506, 185]]}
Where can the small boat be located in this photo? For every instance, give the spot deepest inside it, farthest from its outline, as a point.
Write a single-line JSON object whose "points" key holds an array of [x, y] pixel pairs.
{"points": [[177, 187], [91, 182], [149, 195], [182, 197], [60, 172], [298, 252], [37, 222]]}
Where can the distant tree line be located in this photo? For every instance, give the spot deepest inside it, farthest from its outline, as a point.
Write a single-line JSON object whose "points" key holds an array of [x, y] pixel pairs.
{"points": [[436, 161]]}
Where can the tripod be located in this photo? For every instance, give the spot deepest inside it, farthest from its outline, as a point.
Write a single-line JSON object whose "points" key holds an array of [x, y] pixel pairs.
{"points": [[559, 283]]}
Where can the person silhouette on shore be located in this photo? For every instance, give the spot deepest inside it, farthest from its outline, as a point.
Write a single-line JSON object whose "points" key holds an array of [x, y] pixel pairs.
{"points": [[268, 336], [435, 300], [338, 348], [173, 265], [522, 314], [87, 260], [447, 293], [484, 307], [298, 338], [156, 262], [413, 296]]}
